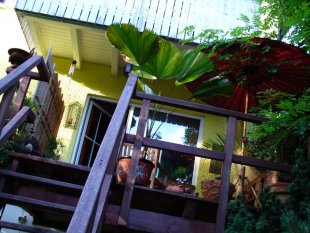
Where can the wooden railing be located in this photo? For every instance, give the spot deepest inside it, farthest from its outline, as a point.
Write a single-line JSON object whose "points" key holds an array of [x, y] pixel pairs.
{"points": [[91, 206], [17, 114]]}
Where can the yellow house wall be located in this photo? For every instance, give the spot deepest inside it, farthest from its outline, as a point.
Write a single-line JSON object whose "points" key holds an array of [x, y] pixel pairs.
{"points": [[95, 79]]}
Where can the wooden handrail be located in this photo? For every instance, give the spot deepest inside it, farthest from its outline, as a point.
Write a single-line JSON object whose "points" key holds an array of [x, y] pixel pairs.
{"points": [[14, 76], [86, 209], [200, 107]]}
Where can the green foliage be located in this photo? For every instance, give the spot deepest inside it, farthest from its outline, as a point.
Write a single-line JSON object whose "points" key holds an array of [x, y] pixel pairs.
{"points": [[4, 150], [299, 189], [291, 224], [53, 149], [286, 128], [275, 19], [156, 58], [274, 216], [269, 214], [239, 220], [139, 47], [182, 175]]}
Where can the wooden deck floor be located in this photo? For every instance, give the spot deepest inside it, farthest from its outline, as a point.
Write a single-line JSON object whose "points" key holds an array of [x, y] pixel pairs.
{"points": [[50, 190]]}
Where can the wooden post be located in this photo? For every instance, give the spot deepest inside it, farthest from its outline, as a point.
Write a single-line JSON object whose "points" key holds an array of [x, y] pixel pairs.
{"points": [[21, 94], [81, 218], [229, 146], [5, 105], [125, 207]]}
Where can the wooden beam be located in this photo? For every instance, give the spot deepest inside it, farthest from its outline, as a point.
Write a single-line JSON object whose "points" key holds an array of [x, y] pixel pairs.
{"points": [[105, 188], [5, 105], [86, 205], [200, 107], [35, 32], [40, 180], [225, 179], [37, 204], [125, 207], [114, 61], [26, 228], [146, 221], [76, 51], [20, 95], [10, 128], [31, 74], [13, 77], [209, 154]]}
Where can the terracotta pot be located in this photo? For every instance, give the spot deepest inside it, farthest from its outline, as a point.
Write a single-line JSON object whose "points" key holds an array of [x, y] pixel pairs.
{"points": [[210, 189], [143, 174]]}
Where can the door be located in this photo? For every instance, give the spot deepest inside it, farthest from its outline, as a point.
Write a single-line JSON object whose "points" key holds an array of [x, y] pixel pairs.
{"points": [[97, 121]]}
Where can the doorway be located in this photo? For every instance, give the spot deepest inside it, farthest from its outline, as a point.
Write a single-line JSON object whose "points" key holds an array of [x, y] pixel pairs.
{"points": [[96, 119]]}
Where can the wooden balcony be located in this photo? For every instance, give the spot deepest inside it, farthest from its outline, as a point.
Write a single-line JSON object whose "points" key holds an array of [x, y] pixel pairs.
{"points": [[77, 199]]}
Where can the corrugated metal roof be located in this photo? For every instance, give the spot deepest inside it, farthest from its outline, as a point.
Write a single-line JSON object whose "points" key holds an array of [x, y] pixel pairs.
{"points": [[164, 17]]}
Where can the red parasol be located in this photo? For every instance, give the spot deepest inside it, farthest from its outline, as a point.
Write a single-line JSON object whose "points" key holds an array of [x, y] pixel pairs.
{"points": [[257, 65]]}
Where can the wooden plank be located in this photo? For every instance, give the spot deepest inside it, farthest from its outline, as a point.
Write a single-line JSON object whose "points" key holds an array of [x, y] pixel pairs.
{"points": [[260, 163], [151, 15], [225, 179], [200, 107], [136, 10], [21, 4], [86, 10], [10, 128], [183, 18], [143, 13], [145, 221], [62, 8], [12, 78], [126, 13], [78, 9], [29, 5], [167, 18], [90, 194], [94, 11], [105, 188], [37, 6], [46, 6], [102, 12], [110, 13], [176, 15], [153, 143], [5, 106], [124, 212], [40, 180], [161, 8], [26, 228], [70, 9], [20, 96], [31, 74], [34, 203], [54, 164], [53, 8]]}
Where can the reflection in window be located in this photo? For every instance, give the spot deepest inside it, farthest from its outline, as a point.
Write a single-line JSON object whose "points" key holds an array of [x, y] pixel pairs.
{"points": [[174, 128]]}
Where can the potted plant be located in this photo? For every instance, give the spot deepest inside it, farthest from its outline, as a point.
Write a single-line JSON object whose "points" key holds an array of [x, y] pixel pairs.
{"points": [[155, 58]]}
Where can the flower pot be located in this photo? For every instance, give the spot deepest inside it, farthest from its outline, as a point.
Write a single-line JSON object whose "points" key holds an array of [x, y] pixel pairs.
{"points": [[143, 174], [210, 189]]}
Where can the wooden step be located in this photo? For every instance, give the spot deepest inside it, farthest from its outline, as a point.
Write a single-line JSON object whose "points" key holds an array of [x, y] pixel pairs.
{"points": [[22, 227], [31, 203], [40, 180]]}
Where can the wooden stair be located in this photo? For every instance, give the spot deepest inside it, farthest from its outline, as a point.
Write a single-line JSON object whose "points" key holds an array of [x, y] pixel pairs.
{"points": [[50, 190]]}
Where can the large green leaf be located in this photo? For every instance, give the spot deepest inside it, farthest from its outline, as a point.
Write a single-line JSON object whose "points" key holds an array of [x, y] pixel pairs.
{"points": [[166, 63], [195, 64], [217, 86], [138, 47], [145, 88]]}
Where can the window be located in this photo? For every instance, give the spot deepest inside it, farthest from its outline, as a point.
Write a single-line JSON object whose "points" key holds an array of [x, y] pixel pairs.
{"points": [[176, 128]]}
